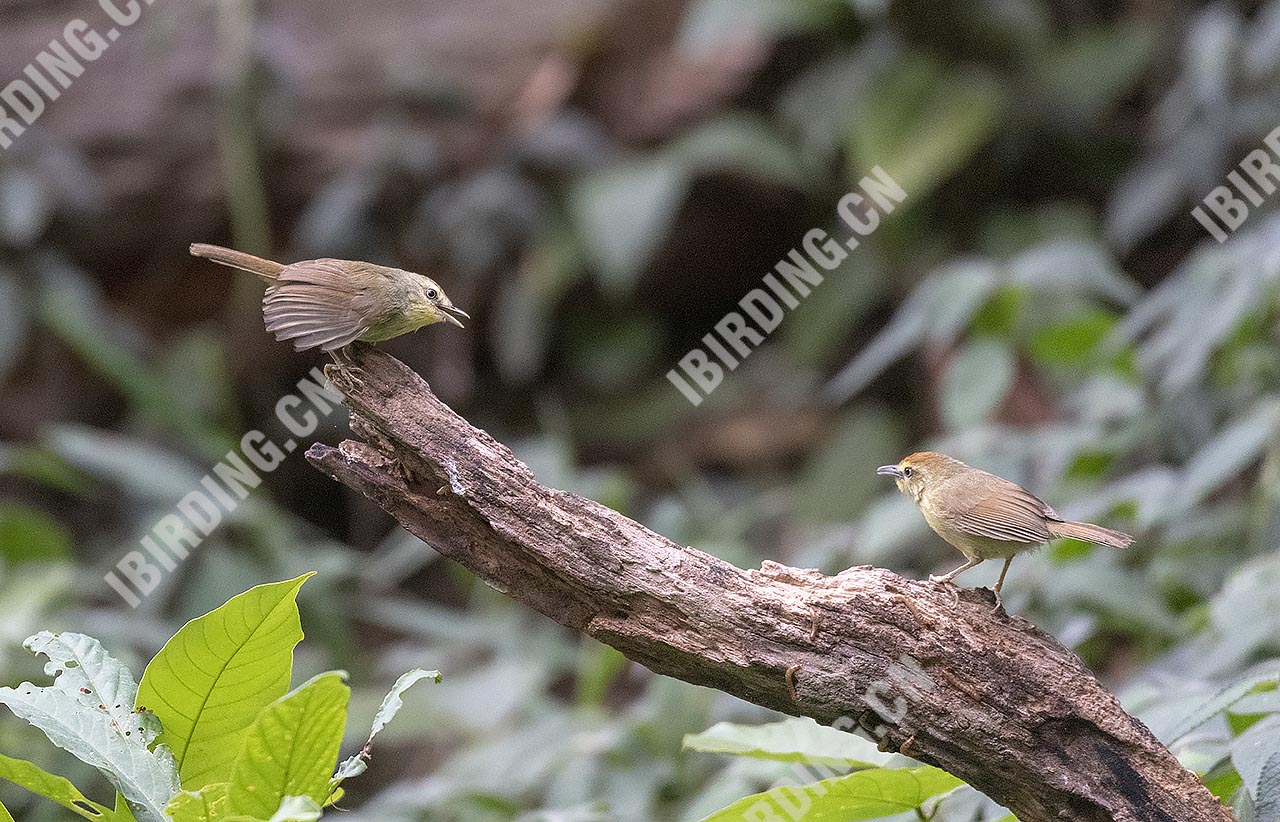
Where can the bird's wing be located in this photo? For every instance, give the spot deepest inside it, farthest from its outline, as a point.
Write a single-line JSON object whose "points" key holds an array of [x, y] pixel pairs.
{"points": [[318, 304], [1006, 512]]}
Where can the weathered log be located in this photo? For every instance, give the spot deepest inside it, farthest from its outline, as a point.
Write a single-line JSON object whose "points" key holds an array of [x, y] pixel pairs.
{"points": [[988, 697]]}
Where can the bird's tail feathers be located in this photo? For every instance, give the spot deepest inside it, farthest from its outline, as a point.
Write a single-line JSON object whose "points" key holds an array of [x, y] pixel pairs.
{"points": [[1091, 533], [265, 269]]}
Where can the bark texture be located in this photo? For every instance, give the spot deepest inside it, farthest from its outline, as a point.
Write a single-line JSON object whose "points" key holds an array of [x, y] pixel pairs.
{"points": [[988, 697]]}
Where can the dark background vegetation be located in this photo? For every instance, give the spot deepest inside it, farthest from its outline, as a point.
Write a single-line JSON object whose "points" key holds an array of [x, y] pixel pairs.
{"points": [[598, 182]]}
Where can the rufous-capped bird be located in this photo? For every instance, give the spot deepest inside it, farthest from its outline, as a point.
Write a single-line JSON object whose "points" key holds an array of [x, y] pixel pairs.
{"points": [[985, 516]]}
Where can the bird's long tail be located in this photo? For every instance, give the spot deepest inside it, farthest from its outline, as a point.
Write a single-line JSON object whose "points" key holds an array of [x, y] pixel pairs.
{"points": [[265, 269], [1091, 533]]}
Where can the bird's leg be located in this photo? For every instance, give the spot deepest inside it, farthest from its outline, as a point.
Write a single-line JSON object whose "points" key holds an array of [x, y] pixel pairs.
{"points": [[957, 572], [342, 358], [1000, 584], [947, 579]]}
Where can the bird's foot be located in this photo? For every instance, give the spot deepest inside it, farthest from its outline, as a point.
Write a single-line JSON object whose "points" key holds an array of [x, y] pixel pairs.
{"points": [[347, 377], [346, 365], [948, 582], [999, 609]]}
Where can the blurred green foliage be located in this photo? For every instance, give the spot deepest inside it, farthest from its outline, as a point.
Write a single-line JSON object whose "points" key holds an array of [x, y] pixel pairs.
{"points": [[1042, 305]]}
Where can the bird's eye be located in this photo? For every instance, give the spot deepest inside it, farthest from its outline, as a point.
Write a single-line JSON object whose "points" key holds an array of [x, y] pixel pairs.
{"points": [[908, 471], [432, 294]]}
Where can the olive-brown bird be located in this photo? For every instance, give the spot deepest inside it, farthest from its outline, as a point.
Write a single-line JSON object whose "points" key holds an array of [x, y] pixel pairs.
{"points": [[329, 304], [985, 516]]}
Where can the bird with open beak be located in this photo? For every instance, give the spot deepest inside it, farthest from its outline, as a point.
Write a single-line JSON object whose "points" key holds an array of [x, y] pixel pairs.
{"points": [[330, 304]]}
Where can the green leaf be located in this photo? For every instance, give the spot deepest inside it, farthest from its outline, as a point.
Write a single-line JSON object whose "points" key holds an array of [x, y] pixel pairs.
{"points": [[1075, 267], [998, 316], [1253, 750], [1263, 699], [1072, 342], [826, 490], [597, 668], [743, 144], [5, 816], [391, 705], [621, 215], [140, 468], [977, 380], [26, 205], [72, 307], [42, 466], [297, 809], [210, 680], [1090, 70], [922, 122], [861, 795], [39, 781], [791, 740], [1067, 551], [713, 25], [1268, 808], [89, 712], [1245, 616], [942, 304], [1226, 455], [1226, 782], [28, 535], [291, 748], [209, 804]]}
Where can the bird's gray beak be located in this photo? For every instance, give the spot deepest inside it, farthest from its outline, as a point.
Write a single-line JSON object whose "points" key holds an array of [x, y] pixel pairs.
{"points": [[453, 314], [890, 471]]}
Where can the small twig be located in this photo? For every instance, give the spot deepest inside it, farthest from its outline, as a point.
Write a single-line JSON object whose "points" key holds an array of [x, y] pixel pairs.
{"points": [[911, 606], [959, 684], [790, 676]]}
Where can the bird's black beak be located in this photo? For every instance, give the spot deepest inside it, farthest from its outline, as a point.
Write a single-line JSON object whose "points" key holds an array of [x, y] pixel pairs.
{"points": [[890, 471], [453, 314]]}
